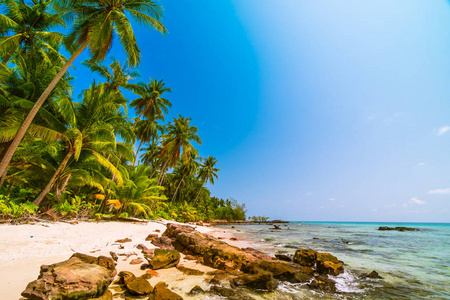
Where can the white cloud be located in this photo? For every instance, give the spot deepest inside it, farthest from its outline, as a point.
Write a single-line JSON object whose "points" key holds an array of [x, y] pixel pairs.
{"points": [[322, 207], [421, 164], [443, 130], [308, 194], [332, 199], [371, 118], [390, 205], [440, 191], [374, 209], [416, 201]]}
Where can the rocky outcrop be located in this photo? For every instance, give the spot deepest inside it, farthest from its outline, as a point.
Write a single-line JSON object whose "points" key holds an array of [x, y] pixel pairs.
{"points": [[164, 259], [398, 228], [139, 286], [324, 263], [189, 271], [80, 277], [372, 275]]}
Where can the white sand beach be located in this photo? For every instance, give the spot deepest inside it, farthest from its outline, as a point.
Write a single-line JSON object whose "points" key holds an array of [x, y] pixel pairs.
{"points": [[24, 248]]}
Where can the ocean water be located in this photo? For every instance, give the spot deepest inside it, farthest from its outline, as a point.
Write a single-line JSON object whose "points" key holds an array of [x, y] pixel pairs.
{"points": [[413, 264]]}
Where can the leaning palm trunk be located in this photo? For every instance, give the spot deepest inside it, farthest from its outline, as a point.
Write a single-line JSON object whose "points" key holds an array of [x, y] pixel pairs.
{"points": [[198, 194], [60, 190], [178, 187], [23, 129], [137, 153], [53, 180]]}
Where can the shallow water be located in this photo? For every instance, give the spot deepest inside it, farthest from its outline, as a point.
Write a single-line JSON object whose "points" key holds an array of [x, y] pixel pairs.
{"points": [[413, 264]]}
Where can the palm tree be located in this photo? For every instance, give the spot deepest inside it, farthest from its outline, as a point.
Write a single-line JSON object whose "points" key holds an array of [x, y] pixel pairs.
{"points": [[27, 28], [95, 25], [117, 78], [207, 173], [176, 144], [146, 131], [92, 132], [150, 104], [186, 169]]}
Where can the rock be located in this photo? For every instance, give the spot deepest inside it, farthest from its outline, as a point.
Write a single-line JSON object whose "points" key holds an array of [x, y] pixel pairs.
{"points": [[136, 261], [145, 266], [233, 239], [81, 276], [142, 247], [275, 227], [106, 296], [157, 230], [372, 275], [262, 280], [323, 283], [152, 272], [125, 240], [139, 286], [398, 228], [196, 290], [284, 257], [148, 253], [165, 258], [125, 277], [151, 237], [222, 291], [114, 256], [163, 242], [188, 271], [190, 257], [162, 292], [305, 257], [328, 264]]}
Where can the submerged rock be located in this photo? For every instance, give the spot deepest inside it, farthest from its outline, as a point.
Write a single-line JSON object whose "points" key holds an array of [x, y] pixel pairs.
{"points": [[81, 276], [373, 275], [196, 290], [398, 228]]}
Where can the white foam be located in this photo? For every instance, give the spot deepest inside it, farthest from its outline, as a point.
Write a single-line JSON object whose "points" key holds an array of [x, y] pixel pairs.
{"points": [[347, 283]]}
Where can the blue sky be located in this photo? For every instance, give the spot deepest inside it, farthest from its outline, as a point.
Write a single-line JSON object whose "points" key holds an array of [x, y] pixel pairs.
{"points": [[316, 110]]}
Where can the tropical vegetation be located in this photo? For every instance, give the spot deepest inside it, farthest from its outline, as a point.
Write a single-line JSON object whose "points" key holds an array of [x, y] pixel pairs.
{"points": [[85, 155]]}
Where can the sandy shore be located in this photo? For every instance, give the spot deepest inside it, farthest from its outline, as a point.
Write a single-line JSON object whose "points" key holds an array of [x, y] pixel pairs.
{"points": [[24, 248]]}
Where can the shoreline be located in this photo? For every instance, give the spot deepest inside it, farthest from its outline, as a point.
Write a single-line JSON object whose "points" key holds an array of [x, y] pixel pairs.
{"points": [[25, 247]]}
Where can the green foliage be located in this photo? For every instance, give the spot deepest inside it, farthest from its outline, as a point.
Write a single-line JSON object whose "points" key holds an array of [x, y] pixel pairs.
{"points": [[258, 218], [12, 209], [70, 158]]}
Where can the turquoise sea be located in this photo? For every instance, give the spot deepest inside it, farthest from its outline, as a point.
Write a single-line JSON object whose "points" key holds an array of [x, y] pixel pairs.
{"points": [[413, 264]]}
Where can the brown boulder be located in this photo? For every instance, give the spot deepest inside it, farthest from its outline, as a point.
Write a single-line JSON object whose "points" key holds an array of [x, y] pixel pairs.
{"points": [[164, 259], [328, 264], [125, 277], [262, 280], [125, 240], [136, 261], [106, 296], [139, 286], [151, 236], [305, 257], [162, 292], [72, 279], [163, 242]]}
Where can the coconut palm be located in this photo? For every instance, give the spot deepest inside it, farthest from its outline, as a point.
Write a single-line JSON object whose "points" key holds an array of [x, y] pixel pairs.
{"points": [[146, 131], [207, 173], [176, 144], [150, 104], [28, 28], [186, 169], [91, 133], [96, 22]]}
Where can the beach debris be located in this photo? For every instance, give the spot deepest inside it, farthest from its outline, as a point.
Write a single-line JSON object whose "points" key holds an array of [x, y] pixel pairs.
{"points": [[81, 276], [152, 272], [189, 271], [121, 247], [151, 237], [233, 239], [373, 275], [164, 259], [136, 261], [196, 290], [275, 227], [125, 240], [139, 286], [398, 228], [162, 292]]}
